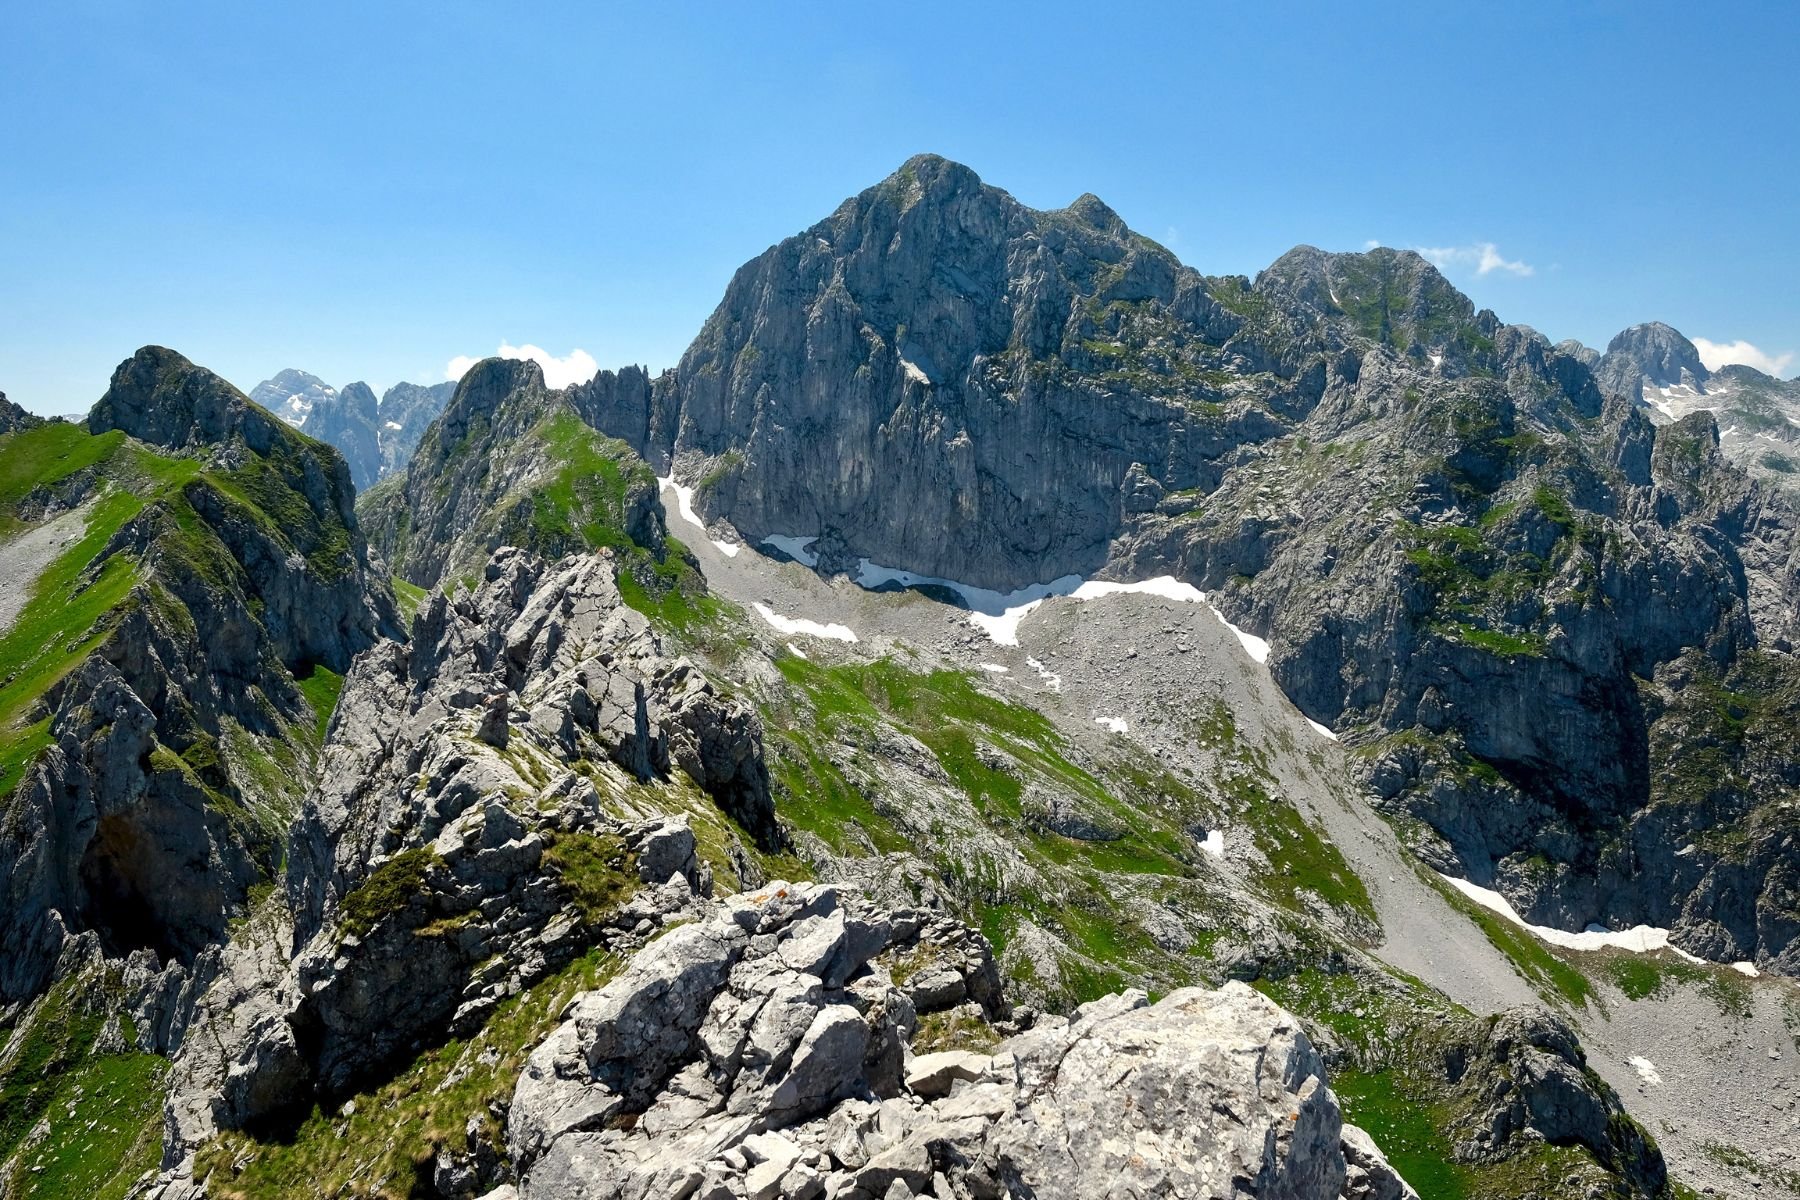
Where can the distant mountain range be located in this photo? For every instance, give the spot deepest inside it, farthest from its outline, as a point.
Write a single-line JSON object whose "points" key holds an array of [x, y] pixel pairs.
{"points": [[1757, 414], [377, 437]]}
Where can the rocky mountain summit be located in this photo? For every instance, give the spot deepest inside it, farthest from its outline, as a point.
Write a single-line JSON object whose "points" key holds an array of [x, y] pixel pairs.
{"points": [[291, 395], [1439, 522], [350, 420], [167, 682], [1758, 416], [511, 462]]}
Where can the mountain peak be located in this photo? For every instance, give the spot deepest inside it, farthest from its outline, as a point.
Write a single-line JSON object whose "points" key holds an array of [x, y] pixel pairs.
{"points": [[1094, 212], [291, 394], [159, 397], [1653, 353]]}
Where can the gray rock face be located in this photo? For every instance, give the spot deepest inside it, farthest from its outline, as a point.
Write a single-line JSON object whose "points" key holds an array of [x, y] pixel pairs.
{"points": [[427, 872], [763, 1053], [14, 418], [406, 411], [349, 421], [159, 397], [919, 377], [1653, 354]]}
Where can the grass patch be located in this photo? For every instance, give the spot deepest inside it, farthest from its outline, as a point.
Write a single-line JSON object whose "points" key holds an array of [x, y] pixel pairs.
{"points": [[408, 596], [389, 888], [103, 1111], [598, 869], [321, 686], [1409, 1132]]}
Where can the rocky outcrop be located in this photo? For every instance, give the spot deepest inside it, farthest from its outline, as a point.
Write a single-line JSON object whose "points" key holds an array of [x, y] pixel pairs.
{"points": [[511, 462], [14, 418], [765, 1053], [432, 874]]}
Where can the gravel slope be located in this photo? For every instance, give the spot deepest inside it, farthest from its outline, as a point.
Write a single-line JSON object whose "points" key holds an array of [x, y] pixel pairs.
{"points": [[24, 558]]}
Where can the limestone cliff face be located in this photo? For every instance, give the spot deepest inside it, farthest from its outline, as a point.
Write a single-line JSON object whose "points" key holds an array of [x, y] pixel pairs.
{"points": [[405, 412], [170, 745], [927, 377], [350, 421], [1465, 546]]}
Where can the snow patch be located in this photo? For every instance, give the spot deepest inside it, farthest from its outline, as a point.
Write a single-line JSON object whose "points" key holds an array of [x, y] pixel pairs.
{"points": [[1051, 679], [1639, 939], [794, 547], [1257, 648], [1645, 1068], [392, 424], [914, 373], [1323, 731], [1437, 360], [1116, 724], [998, 614], [993, 668], [1214, 843], [684, 504], [796, 651], [1746, 968], [838, 633]]}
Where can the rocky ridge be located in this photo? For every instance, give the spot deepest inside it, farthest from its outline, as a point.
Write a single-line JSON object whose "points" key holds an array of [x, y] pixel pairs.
{"points": [[449, 856], [793, 1039], [166, 691], [511, 462]]}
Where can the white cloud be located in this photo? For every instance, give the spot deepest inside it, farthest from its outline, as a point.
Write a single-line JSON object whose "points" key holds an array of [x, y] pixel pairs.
{"points": [[1485, 257], [1722, 354], [578, 366]]}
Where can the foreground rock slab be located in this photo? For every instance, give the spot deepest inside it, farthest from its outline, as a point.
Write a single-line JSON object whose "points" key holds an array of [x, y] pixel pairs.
{"points": [[765, 1053]]}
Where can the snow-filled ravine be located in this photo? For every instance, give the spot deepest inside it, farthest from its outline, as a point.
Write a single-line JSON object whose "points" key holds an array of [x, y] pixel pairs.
{"points": [[999, 614], [684, 504], [1639, 939]]}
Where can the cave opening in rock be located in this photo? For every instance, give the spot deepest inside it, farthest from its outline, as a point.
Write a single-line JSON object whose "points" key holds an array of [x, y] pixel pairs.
{"points": [[120, 884]]}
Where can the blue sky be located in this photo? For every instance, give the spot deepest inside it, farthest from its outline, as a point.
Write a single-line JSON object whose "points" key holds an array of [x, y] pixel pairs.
{"points": [[372, 190]]}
